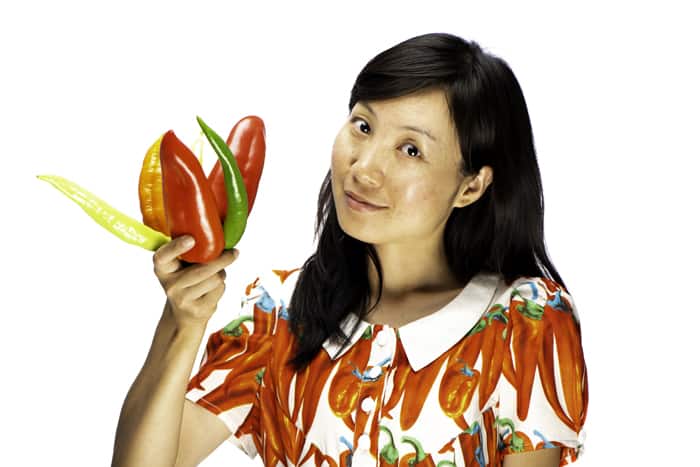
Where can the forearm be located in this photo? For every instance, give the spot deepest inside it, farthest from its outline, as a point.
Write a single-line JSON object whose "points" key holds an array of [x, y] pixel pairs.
{"points": [[150, 421]]}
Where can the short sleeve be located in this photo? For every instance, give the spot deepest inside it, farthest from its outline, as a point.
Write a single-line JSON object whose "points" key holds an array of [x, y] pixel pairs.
{"points": [[543, 392], [231, 369]]}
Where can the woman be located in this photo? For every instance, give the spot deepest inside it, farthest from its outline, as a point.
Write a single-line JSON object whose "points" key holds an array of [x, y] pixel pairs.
{"points": [[432, 212]]}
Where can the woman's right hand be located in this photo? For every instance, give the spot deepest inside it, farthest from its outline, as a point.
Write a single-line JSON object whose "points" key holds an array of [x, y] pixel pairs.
{"points": [[193, 290]]}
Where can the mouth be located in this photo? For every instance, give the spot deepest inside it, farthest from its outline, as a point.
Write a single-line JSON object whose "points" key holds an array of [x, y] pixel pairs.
{"points": [[358, 205]]}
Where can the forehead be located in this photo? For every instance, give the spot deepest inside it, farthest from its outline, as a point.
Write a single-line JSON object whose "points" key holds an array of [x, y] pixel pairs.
{"points": [[425, 109]]}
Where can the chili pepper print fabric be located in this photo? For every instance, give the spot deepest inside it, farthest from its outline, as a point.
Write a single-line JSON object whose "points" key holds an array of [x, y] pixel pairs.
{"points": [[498, 370]]}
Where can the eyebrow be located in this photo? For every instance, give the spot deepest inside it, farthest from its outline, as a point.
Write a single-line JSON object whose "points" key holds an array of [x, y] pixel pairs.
{"points": [[406, 127]]}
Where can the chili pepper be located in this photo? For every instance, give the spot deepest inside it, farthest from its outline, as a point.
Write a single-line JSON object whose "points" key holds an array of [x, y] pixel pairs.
{"points": [[151, 187], [222, 346], [516, 441], [493, 347], [469, 443], [507, 368], [420, 458], [344, 389], [290, 435], [151, 190], [545, 365], [237, 391], [527, 332], [460, 379], [247, 142], [491, 432], [401, 372], [405, 460], [457, 388], [190, 206], [319, 370], [563, 328], [236, 197], [416, 391], [282, 350], [277, 438], [388, 454], [126, 228]]}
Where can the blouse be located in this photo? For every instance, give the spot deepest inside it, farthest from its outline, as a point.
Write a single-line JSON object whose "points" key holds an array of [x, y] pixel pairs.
{"points": [[498, 370]]}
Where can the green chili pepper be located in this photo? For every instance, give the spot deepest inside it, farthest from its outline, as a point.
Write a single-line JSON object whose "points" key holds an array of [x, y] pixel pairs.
{"points": [[128, 229], [237, 208]]}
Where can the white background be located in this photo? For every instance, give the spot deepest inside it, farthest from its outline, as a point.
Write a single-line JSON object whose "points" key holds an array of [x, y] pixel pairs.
{"points": [[87, 87]]}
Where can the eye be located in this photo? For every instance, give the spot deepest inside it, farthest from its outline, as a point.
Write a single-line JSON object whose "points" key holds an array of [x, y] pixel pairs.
{"points": [[365, 125], [357, 119], [414, 147]]}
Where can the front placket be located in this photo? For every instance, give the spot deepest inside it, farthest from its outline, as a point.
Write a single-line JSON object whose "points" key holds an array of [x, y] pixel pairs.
{"points": [[371, 398]]}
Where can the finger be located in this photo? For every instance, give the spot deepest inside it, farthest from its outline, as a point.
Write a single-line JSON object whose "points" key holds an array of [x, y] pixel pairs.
{"points": [[165, 259], [196, 291], [196, 274], [212, 298]]}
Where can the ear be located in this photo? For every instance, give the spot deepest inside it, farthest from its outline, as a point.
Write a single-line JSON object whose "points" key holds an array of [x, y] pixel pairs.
{"points": [[473, 187]]}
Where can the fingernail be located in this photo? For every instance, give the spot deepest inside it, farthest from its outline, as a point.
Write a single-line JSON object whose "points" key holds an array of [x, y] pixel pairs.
{"points": [[189, 242]]}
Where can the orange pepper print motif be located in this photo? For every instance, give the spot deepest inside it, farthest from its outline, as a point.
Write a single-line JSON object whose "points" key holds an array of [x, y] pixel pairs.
{"points": [[469, 406], [535, 326]]}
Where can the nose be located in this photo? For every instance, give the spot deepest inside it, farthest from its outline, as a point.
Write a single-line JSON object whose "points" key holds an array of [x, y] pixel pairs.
{"points": [[369, 166]]}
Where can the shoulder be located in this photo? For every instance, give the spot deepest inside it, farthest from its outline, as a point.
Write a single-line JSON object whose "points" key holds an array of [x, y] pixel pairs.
{"points": [[268, 295], [277, 284], [535, 296]]}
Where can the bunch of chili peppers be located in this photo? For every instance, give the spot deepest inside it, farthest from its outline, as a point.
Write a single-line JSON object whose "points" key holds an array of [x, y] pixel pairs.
{"points": [[176, 198]]}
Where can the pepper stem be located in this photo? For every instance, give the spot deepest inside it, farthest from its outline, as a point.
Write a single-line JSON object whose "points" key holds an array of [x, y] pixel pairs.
{"points": [[420, 453], [233, 329]]}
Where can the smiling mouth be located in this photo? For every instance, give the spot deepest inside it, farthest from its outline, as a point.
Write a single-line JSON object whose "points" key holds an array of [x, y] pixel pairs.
{"points": [[359, 205]]}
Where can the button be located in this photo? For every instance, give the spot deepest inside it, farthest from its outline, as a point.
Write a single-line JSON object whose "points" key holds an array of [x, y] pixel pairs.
{"points": [[374, 372], [363, 441], [367, 404], [382, 337]]}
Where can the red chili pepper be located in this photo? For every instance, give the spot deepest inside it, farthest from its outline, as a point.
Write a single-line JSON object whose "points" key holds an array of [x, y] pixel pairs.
{"points": [[319, 370], [416, 391], [469, 443], [274, 443], [190, 205], [420, 458], [401, 373], [562, 327], [460, 378], [344, 389], [222, 346], [515, 441], [527, 334], [457, 388], [247, 143], [389, 454], [494, 342]]}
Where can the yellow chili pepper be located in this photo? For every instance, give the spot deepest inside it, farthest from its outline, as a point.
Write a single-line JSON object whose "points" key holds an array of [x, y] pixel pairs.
{"points": [[151, 190], [126, 228]]}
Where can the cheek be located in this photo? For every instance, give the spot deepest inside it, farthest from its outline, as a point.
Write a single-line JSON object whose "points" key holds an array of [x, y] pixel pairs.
{"points": [[342, 148], [341, 155], [419, 194]]}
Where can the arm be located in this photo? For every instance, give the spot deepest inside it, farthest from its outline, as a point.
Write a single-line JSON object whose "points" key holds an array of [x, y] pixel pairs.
{"points": [[149, 430], [541, 458]]}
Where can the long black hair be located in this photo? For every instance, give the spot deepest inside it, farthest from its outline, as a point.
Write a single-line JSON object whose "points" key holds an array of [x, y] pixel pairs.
{"points": [[503, 231]]}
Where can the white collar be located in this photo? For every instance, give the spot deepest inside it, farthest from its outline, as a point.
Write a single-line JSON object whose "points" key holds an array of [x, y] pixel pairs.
{"points": [[426, 338]]}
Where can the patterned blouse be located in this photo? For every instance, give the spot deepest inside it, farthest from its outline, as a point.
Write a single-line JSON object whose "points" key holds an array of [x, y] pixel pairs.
{"points": [[498, 370]]}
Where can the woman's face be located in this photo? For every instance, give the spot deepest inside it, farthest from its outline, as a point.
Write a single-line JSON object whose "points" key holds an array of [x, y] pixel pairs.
{"points": [[413, 176]]}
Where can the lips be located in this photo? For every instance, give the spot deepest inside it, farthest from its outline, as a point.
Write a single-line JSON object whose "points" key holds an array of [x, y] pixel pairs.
{"points": [[362, 200]]}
